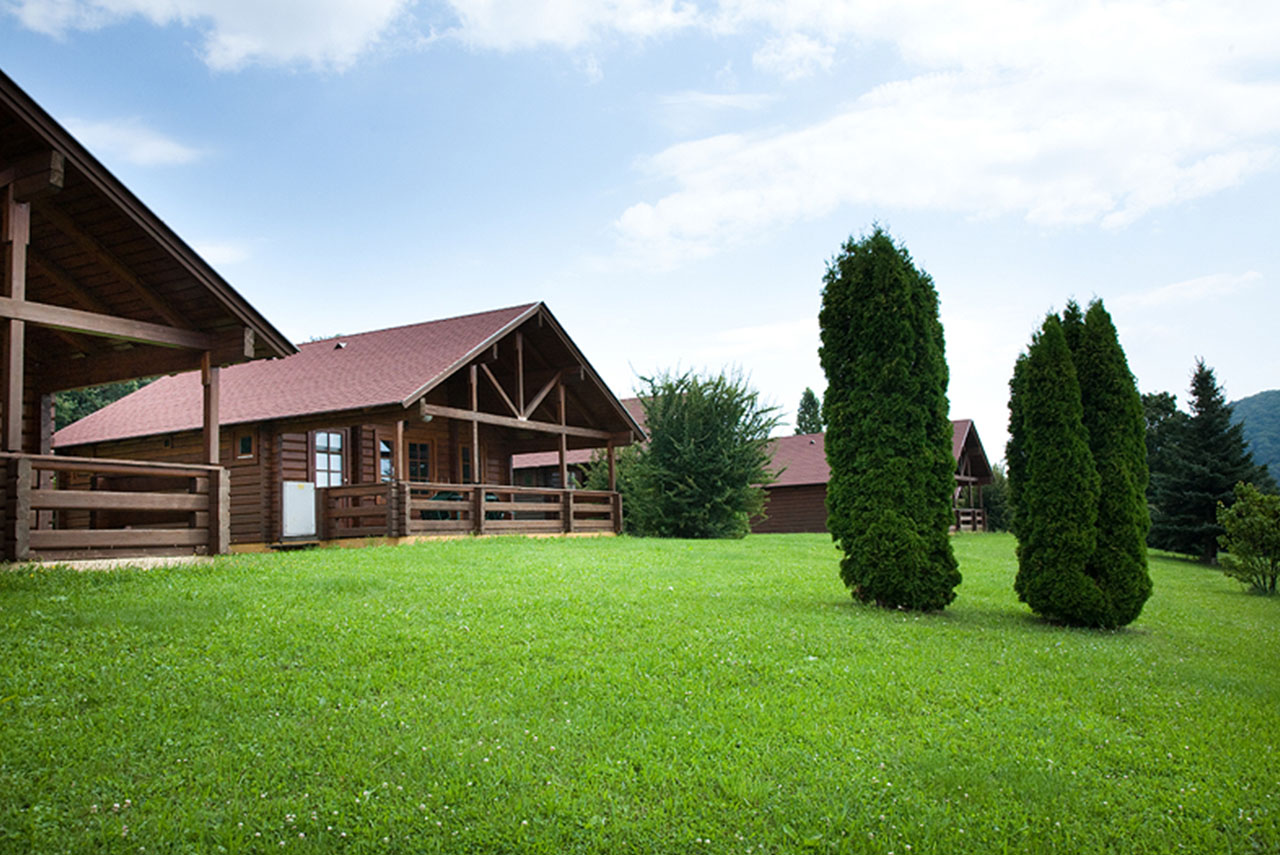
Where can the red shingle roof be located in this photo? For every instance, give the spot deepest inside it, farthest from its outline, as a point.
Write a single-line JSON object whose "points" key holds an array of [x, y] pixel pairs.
{"points": [[391, 366], [802, 459]]}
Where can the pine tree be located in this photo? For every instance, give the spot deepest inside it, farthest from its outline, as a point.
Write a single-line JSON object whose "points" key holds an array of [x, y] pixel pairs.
{"points": [[1058, 483], [888, 436], [1208, 458], [1113, 418], [809, 413]]}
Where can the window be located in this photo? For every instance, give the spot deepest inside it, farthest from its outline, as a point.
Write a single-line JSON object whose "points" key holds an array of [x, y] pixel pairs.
{"points": [[419, 461], [464, 456], [328, 458], [386, 461], [244, 446]]}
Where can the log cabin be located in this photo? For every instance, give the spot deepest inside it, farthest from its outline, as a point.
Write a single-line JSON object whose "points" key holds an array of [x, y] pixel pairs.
{"points": [[95, 288], [390, 435], [797, 500]]}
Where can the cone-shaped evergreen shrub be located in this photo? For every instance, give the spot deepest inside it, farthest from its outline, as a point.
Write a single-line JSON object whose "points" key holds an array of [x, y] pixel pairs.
{"points": [[1058, 499], [1114, 420], [888, 437], [1078, 473]]}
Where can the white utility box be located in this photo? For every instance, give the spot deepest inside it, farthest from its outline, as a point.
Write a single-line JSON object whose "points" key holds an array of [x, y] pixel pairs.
{"points": [[299, 509]]}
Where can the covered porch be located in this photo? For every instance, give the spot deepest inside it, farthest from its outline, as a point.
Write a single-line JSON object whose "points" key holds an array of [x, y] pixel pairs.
{"points": [[95, 289]]}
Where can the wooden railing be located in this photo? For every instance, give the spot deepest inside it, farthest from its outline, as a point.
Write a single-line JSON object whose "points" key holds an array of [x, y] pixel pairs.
{"points": [[402, 508], [63, 508], [971, 519]]}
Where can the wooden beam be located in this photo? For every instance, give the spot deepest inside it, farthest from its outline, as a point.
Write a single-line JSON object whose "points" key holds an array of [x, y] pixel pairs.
{"points": [[36, 175], [613, 467], [93, 323], [542, 394], [16, 235], [515, 411], [508, 421], [117, 268], [212, 393]]}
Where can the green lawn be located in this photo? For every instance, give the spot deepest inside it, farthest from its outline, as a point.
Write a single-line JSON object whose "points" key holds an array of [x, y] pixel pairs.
{"points": [[624, 695]]}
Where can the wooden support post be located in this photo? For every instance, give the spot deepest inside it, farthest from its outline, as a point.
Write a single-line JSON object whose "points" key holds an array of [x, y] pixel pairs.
{"points": [[564, 469], [401, 465], [219, 511], [44, 479], [477, 507], [520, 372], [613, 467], [16, 235], [566, 511], [209, 379], [17, 506], [617, 513], [475, 428]]}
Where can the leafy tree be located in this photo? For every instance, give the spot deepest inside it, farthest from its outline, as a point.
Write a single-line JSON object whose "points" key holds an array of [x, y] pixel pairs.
{"points": [[707, 455], [1114, 420], [1208, 458], [809, 413], [1057, 482], [1252, 538], [888, 438], [75, 404], [995, 500]]}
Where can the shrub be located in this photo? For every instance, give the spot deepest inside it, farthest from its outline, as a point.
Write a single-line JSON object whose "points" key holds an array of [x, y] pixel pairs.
{"points": [[1252, 538]]}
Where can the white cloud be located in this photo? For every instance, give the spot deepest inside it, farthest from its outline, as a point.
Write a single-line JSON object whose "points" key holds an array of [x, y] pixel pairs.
{"points": [[518, 24], [131, 141], [1212, 287], [1062, 115], [794, 56], [328, 34]]}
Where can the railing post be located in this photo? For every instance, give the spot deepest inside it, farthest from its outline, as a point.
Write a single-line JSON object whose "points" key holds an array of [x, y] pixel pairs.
{"points": [[219, 511], [566, 511], [17, 505], [617, 513], [477, 508], [398, 509]]}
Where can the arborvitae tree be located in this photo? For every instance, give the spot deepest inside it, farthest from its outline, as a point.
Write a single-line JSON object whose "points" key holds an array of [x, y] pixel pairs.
{"points": [[1058, 483], [1113, 419], [888, 438], [1207, 460], [707, 455], [809, 413], [1015, 451]]}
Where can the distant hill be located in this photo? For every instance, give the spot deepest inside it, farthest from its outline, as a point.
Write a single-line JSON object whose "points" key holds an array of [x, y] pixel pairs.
{"points": [[1261, 416]]}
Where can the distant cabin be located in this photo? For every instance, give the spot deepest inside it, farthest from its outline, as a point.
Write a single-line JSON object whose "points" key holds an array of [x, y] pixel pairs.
{"points": [[797, 500], [396, 433]]}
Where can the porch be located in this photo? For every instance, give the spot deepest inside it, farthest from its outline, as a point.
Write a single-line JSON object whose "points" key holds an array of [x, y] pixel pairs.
{"points": [[59, 508], [411, 508]]}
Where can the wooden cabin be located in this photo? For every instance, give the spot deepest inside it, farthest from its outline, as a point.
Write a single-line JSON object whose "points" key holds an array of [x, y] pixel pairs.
{"points": [[96, 289], [397, 433], [797, 500]]}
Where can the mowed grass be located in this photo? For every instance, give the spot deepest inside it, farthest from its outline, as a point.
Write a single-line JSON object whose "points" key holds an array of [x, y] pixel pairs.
{"points": [[624, 695]]}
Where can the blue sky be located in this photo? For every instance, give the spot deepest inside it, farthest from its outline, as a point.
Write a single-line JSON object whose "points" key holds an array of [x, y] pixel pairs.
{"points": [[672, 177]]}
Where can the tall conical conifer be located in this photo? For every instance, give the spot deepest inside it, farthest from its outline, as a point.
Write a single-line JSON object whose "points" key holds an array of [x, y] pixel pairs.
{"points": [[1077, 456], [888, 438], [1058, 502]]}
